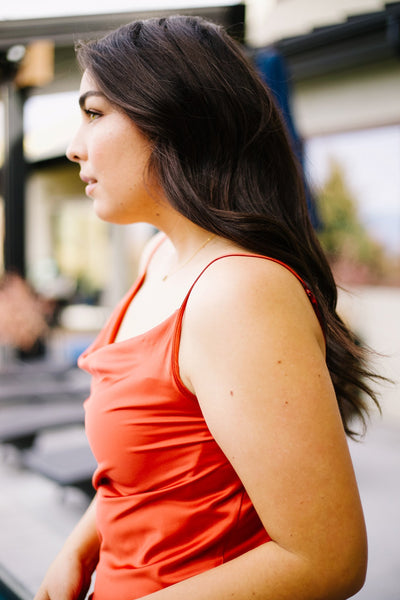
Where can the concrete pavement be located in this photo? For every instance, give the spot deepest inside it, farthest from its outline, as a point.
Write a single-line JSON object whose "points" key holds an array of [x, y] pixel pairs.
{"points": [[377, 464]]}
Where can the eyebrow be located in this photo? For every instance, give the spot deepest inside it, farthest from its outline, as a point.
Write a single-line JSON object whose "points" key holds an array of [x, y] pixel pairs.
{"points": [[86, 95]]}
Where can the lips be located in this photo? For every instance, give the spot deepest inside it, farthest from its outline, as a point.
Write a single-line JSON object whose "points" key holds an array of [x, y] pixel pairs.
{"points": [[91, 183]]}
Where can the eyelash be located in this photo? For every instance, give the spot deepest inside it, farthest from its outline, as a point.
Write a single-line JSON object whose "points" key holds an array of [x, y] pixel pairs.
{"points": [[91, 114]]}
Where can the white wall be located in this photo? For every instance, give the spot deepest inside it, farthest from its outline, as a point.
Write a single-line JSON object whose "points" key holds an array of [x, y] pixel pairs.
{"points": [[270, 20], [354, 99]]}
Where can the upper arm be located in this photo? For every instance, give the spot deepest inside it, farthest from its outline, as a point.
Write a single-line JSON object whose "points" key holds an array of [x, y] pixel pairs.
{"points": [[253, 353]]}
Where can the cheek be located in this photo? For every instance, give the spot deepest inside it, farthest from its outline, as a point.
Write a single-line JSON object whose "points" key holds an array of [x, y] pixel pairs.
{"points": [[106, 146], [98, 152], [133, 167]]}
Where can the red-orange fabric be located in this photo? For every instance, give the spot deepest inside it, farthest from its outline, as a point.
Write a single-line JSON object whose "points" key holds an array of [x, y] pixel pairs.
{"points": [[169, 504]]}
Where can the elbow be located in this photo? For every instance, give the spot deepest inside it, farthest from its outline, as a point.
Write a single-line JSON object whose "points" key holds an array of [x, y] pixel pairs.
{"points": [[337, 570], [356, 578], [337, 584], [354, 566], [352, 580], [346, 574]]}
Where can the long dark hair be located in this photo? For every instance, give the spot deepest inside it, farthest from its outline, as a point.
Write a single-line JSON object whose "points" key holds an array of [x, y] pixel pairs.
{"points": [[223, 158]]}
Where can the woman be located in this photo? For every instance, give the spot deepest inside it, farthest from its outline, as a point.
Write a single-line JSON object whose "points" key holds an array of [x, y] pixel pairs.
{"points": [[224, 382]]}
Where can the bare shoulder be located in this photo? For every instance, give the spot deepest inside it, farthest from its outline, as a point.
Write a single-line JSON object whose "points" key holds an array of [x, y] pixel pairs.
{"points": [[245, 291]]}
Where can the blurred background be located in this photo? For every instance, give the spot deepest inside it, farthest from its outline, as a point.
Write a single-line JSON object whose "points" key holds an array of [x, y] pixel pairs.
{"points": [[334, 68]]}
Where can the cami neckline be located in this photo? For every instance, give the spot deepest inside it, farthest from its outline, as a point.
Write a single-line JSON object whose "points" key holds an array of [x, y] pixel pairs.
{"points": [[125, 305], [178, 312]]}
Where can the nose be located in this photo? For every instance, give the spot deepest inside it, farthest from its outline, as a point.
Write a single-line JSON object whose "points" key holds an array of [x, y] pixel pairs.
{"points": [[76, 149]]}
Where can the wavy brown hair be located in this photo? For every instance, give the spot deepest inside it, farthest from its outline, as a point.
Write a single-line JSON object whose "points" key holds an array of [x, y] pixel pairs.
{"points": [[223, 157]]}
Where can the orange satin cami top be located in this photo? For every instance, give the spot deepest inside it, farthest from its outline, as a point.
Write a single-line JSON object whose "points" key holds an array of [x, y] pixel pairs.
{"points": [[169, 504]]}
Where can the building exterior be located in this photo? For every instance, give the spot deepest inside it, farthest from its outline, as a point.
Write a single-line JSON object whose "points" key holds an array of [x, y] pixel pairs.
{"points": [[344, 64]]}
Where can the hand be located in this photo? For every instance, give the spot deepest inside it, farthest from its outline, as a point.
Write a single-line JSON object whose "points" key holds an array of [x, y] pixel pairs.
{"points": [[66, 579]]}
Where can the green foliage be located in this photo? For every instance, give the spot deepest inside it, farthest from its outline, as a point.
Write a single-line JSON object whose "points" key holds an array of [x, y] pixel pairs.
{"points": [[343, 236]]}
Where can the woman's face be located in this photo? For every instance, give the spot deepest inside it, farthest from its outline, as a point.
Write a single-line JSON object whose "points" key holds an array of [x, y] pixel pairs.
{"points": [[113, 155]]}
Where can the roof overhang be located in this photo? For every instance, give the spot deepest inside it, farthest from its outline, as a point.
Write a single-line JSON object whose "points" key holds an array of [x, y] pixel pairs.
{"points": [[361, 39], [64, 31]]}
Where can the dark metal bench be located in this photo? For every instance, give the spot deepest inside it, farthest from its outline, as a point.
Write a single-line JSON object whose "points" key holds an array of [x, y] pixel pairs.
{"points": [[22, 423], [25, 383], [69, 467]]}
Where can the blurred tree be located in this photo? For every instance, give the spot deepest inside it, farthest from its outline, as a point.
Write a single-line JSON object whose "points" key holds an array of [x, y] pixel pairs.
{"points": [[351, 249]]}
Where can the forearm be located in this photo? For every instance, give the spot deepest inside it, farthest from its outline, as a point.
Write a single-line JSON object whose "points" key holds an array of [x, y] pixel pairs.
{"points": [[69, 575], [268, 572], [83, 542]]}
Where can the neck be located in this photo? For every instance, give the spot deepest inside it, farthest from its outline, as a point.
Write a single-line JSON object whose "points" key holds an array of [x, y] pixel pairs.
{"points": [[191, 257], [185, 237]]}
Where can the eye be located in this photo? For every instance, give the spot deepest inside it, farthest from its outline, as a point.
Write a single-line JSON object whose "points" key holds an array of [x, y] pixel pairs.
{"points": [[92, 115]]}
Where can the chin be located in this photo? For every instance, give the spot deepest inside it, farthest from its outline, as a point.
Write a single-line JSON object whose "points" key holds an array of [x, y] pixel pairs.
{"points": [[105, 214], [112, 217]]}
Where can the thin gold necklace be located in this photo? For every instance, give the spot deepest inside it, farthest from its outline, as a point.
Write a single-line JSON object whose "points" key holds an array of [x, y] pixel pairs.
{"points": [[203, 245]]}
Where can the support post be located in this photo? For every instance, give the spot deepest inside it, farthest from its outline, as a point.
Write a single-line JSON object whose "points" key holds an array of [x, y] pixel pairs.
{"points": [[14, 180]]}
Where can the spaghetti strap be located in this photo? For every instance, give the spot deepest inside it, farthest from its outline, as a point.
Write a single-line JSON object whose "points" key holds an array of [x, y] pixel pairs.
{"points": [[181, 312], [307, 290]]}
